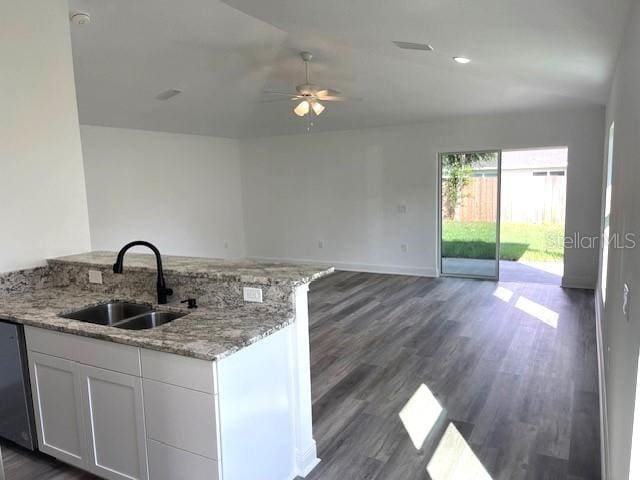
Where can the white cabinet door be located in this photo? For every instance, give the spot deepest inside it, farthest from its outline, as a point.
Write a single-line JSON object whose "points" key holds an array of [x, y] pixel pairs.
{"points": [[115, 424], [58, 407]]}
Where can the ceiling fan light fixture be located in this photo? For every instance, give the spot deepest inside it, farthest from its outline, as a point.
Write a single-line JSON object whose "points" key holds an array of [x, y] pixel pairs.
{"points": [[318, 108], [302, 108]]}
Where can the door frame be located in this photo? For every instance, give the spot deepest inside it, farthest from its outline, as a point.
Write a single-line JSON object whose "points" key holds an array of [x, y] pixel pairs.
{"points": [[495, 277]]}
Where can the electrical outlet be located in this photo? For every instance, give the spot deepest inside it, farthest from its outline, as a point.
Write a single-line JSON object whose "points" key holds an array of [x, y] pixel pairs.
{"points": [[402, 209], [252, 294], [95, 276], [320, 244], [404, 248]]}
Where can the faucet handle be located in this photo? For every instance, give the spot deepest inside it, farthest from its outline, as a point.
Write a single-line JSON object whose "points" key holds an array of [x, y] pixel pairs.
{"points": [[191, 302]]}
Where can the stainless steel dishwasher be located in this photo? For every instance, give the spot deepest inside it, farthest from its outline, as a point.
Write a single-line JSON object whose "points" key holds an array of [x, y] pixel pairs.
{"points": [[16, 409]]}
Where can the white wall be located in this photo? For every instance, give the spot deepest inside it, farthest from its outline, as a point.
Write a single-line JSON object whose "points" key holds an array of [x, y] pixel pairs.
{"points": [[622, 337], [180, 192], [43, 207], [344, 188]]}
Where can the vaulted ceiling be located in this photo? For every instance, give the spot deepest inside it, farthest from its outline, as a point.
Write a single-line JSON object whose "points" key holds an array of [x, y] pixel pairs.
{"points": [[526, 55]]}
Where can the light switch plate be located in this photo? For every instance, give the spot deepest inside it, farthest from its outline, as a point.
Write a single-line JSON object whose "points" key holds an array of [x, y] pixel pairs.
{"points": [[252, 294], [95, 276]]}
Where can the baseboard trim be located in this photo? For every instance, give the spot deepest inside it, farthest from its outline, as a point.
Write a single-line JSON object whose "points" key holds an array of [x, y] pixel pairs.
{"points": [[586, 283], [602, 386], [306, 461], [359, 267]]}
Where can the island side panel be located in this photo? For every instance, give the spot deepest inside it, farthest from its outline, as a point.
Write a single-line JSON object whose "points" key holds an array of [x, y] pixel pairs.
{"points": [[306, 457], [256, 422]]}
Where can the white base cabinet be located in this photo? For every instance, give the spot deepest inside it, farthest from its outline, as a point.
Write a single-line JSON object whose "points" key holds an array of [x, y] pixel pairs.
{"points": [[125, 413], [89, 405], [114, 419], [57, 401], [89, 417]]}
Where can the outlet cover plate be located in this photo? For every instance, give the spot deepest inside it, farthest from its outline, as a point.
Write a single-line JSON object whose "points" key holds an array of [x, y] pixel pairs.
{"points": [[251, 294], [95, 276]]}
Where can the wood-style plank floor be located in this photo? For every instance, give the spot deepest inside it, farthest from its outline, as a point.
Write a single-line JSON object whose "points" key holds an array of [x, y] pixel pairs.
{"points": [[440, 379], [502, 379]]}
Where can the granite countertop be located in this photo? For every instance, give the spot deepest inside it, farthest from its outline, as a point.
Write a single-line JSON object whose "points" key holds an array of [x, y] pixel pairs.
{"points": [[204, 333], [246, 271]]}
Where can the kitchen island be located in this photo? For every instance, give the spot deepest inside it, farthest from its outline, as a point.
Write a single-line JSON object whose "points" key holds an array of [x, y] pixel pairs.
{"points": [[223, 392]]}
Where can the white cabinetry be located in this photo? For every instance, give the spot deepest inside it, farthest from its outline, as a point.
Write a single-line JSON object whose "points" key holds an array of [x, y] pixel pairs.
{"points": [[181, 412], [114, 419], [57, 401], [128, 413], [88, 414]]}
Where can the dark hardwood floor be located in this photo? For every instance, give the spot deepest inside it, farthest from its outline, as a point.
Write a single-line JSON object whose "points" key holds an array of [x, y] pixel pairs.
{"points": [[502, 377], [21, 464], [441, 379]]}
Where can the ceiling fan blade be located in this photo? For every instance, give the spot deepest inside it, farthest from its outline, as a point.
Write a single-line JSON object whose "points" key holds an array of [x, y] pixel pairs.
{"points": [[327, 92], [340, 99], [280, 99], [332, 98], [269, 92]]}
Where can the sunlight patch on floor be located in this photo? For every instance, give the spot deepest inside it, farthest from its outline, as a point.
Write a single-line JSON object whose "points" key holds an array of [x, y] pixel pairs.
{"points": [[503, 294], [538, 311], [454, 459], [420, 415]]}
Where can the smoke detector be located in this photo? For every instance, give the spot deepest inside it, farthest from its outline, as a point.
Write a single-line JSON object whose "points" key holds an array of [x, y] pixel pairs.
{"points": [[80, 18]]}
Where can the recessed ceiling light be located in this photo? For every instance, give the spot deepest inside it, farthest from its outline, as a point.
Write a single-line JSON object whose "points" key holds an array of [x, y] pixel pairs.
{"points": [[462, 60], [167, 94]]}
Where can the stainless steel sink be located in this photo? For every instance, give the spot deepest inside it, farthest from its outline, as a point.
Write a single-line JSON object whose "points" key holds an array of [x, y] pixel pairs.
{"points": [[149, 320], [108, 313], [128, 316]]}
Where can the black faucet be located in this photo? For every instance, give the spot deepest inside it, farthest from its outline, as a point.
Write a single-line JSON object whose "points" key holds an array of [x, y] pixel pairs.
{"points": [[163, 291]]}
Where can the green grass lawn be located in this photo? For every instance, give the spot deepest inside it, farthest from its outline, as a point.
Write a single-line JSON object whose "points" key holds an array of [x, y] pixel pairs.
{"points": [[518, 241]]}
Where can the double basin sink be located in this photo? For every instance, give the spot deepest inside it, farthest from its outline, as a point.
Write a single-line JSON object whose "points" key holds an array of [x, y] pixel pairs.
{"points": [[128, 316]]}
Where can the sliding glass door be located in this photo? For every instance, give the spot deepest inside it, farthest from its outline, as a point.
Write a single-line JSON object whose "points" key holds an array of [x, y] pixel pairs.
{"points": [[470, 214]]}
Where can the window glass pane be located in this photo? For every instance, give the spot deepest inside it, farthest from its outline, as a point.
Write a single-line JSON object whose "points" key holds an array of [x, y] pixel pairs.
{"points": [[604, 264]]}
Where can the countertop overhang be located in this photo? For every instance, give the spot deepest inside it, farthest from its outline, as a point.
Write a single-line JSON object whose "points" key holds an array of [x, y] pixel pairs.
{"points": [[204, 333], [242, 270], [207, 333]]}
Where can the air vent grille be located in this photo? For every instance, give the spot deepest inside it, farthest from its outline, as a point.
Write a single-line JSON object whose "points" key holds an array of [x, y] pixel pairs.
{"points": [[167, 94], [414, 46]]}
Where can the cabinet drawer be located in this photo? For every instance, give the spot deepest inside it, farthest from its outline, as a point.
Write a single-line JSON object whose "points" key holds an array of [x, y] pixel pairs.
{"points": [[181, 418], [178, 370], [168, 463], [88, 351]]}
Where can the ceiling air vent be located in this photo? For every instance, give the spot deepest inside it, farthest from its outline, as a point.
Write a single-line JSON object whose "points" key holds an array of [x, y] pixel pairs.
{"points": [[425, 47], [167, 94]]}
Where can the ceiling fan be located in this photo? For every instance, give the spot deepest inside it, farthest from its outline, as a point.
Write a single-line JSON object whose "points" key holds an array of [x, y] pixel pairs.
{"points": [[308, 95]]}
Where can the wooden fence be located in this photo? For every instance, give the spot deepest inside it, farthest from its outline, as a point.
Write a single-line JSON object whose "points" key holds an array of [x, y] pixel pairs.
{"points": [[525, 199]]}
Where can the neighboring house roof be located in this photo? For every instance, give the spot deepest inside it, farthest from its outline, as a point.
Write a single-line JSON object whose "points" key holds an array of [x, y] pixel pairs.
{"points": [[539, 159], [535, 159]]}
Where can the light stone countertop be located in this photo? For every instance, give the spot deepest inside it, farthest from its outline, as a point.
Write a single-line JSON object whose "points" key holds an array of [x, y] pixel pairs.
{"points": [[204, 333], [208, 332], [243, 270]]}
